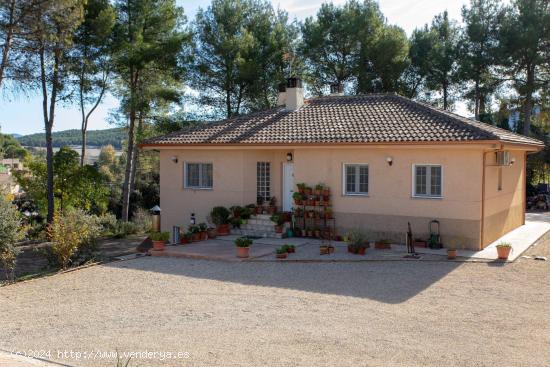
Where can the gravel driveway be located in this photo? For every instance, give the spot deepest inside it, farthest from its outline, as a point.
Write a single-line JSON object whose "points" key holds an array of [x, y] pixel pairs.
{"points": [[272, 314]]}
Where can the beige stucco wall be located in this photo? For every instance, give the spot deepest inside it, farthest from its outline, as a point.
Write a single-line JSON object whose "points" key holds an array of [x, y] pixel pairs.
{"points": [[390, 204], [234, 182], [384, 213], [504, 209]]}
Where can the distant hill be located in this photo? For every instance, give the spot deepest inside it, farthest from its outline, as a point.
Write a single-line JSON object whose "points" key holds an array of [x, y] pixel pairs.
{"points": [[16, 135], [97, 138]]}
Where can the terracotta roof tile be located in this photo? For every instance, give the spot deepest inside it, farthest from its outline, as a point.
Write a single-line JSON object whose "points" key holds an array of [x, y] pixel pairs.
{"points": [[380, 118]]}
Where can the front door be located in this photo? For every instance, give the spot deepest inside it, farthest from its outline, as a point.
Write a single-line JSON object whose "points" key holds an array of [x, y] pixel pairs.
{"points": [[288, 186]]}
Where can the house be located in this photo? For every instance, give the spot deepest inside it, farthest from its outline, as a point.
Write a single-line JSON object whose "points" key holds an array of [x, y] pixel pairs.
{"points": [[7, 181], [388, 160]]}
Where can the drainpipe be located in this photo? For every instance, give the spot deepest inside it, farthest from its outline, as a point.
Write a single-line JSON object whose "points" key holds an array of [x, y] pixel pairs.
{"points": [[482, 201]]}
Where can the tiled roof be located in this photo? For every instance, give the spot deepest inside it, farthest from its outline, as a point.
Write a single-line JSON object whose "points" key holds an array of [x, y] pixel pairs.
{"points": [[379, 118]]}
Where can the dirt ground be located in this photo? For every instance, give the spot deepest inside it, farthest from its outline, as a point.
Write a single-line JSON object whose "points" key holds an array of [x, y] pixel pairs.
{"points": [[272, 314]]}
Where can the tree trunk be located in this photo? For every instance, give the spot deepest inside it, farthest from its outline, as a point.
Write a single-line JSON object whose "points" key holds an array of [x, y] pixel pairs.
{"points": [[477, 101], [130, 149], [228, 103], [135, 159], [445, 95], [528, 105], [8, 41]]}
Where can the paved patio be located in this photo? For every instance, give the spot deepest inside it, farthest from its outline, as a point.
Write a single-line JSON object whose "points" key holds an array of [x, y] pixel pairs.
{"points": [[536, 229]]}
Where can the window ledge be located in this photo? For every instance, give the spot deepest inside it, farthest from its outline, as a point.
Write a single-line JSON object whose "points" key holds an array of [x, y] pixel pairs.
{"points": [[426, 197], [360, 195], [199, 188]]}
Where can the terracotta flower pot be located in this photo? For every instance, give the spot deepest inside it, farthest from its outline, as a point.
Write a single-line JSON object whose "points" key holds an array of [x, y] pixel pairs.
{"points": [[184, 240], [297, 201], [278, 229], [243, 252], [158, 245], [451, 254], [212, 233], [282, 256], [326, 193], [317, 234], [223, 230], [308, 191], [503, 252], [382, 246], [204, 235], [291, 250], [318, 192], [362, 251], [331, 249], [195, 237]]}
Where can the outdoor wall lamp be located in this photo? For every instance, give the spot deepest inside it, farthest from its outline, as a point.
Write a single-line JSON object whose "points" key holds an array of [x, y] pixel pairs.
{"points": [[389, 160], [174, 159], [512, 161], [289, 157]]}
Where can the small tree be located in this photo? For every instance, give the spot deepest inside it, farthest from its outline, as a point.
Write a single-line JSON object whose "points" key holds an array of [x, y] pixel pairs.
{"points": [[10, 233]]}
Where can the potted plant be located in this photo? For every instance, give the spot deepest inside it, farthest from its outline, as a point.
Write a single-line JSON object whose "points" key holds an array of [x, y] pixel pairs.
{"points": [[451, 253], [328, 213], [203, 227], [281, 253], [259, 204], [301, 187], [308, 190], [212, 233], [159, 239], [195, 233], [185, 238], [382, 244], [317, 232], [297, 197], [220, 217], [503, 250], [235, 222], [319, 189], [326, 192], [298, 212], [356, 241], [279, 221], [246, 213], [243, 246], [272, 205], [290, 249]]}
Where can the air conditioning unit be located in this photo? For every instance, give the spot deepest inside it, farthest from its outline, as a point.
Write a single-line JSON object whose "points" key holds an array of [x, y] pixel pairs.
{"points": [[503, 158]]}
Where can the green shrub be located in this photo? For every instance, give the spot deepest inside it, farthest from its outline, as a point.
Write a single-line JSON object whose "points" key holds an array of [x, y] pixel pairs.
{"points": [[10, 233], [278, 218], [71, 230], [203, 227], [243, 242], [108, 223], [220, 215], [281, 250], [143, 220], [125, 228], [504, 245], [356, 238], [159, 236]]}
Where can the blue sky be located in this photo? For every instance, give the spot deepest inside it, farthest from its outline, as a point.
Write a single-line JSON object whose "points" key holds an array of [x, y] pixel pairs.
{"points": [[23, 114]]}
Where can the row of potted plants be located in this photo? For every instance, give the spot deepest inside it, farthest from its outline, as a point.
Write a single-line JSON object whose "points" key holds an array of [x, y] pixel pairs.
{"points": [[301, 199], [283, 251], [314, 232], [319, 190], [326, 213]]}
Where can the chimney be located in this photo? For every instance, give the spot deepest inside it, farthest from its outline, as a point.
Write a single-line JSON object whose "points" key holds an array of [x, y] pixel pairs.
{"points": [[281, 101], [294, 94], [336, 89]]}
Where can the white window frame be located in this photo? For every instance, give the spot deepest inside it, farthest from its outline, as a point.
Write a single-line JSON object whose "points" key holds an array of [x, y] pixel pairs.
{"points": [[186, 184], [344, 183], [268, 182], [428, 181]]}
